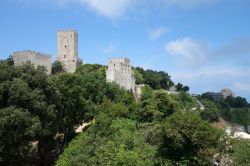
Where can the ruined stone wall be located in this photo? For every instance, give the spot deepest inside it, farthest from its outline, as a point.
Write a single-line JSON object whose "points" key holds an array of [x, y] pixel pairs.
{"points": [[67, 49], [36, 58], [119, 71]]}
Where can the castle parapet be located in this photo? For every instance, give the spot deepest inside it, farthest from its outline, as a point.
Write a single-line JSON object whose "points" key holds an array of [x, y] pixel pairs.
{"points": [[36, 58]]}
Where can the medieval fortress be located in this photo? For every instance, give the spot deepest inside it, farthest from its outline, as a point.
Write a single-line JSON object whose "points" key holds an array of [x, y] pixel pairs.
{"points": [[119, 69], [37, 58], [67, 46]]}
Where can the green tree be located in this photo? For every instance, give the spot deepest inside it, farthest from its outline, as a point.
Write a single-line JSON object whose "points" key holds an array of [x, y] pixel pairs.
{"points": [[184, 101], [58, 67], [148, 108], [155, 79], [73, 99], [29, 89], [18, 128], [164, 103], [138, 77], [241, 152], [240, 116], [211, 112], [185, 88], [121, 144], [179, 87], [187, 137]]}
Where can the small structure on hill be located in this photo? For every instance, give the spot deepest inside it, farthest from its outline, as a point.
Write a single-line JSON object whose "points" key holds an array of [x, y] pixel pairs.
{"points": [[226, 92], [120, 71], [223, 94], [215, 95], [36, 58]]}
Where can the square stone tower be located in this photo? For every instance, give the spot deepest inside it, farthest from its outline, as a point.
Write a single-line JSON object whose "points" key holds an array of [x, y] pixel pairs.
{"points": [[67, 49], [119, 71]]}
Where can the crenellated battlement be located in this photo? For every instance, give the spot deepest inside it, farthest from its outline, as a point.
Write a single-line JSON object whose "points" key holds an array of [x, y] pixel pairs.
{"points": [[36, 58], [67, 49], [67, 46], [120, 71], [119, 60], [31, 52], [67, 31]]}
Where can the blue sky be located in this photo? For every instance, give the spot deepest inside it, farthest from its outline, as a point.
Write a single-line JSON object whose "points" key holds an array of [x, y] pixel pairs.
{"points": [[204, 44]]}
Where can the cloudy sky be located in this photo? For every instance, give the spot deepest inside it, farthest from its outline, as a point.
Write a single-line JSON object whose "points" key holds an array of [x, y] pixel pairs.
{"points": [[204, 44]]}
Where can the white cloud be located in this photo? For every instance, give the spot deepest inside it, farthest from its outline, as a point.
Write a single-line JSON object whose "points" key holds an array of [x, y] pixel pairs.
{"points": [[111, 9], [157, 33], [191, 53], [114, 9]]}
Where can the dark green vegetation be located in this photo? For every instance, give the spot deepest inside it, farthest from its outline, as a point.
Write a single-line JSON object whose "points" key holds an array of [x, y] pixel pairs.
{"points": [[39, 114], [156, 80], [232, 109]]}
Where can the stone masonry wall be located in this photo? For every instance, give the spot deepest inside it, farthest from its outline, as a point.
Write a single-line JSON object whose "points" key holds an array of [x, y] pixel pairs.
{"points": [[119, 71], [36, 58], [67, 49]]}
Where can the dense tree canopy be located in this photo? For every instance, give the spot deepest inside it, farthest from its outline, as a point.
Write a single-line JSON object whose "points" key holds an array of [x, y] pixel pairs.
{"points": [[187, 137], [211, 112], [58, 67], [233, 109], [27, 95], [156, 80], [39, 114]]}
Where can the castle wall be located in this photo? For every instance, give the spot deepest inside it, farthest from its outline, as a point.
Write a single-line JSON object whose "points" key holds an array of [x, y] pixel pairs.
{"points": [[67, 48], [36, 58], [119, 71]]}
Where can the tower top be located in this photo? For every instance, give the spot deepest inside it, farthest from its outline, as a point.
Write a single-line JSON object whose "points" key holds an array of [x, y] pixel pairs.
{"points": [[68, 30], [122, 59], [30, 52]]}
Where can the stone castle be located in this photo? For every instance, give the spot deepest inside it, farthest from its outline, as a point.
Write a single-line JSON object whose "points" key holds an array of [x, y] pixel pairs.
{"points": [[67, 48], [67, 53], [223, 94], [119, 69], [36, 58]]}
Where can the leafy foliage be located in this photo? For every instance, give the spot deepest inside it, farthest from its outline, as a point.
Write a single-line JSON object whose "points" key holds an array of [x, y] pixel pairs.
{"points": [[233, 109], [187, 137], [39, 114], [58, 67], [29, 97], [17, 129], [109, 141], [211, 112], [241, 152], [156, 80]]}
